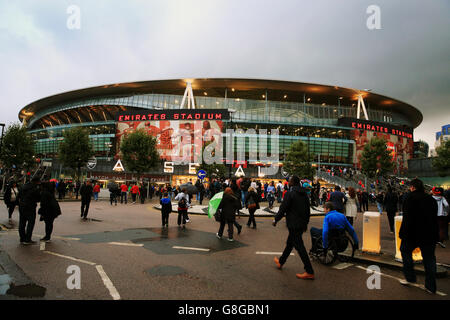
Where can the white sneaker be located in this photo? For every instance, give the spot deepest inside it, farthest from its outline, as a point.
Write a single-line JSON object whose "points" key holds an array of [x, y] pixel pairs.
{"points": [[187, 220], [441, 244], [406, 282], [218, 237], [231, 240]]}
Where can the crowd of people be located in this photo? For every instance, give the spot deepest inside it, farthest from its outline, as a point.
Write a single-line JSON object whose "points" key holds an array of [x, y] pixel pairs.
{"points": [[425, 216]]}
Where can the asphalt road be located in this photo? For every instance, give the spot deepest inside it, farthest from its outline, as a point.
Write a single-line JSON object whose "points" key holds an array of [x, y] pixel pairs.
{"points": [[125, 254]]}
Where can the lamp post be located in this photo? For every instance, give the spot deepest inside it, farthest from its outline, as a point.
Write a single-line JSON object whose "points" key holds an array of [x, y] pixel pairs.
{"points": [[231, 111]]}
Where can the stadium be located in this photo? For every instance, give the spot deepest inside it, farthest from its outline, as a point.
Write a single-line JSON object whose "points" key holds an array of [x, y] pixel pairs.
{"points": [[335, 122]]}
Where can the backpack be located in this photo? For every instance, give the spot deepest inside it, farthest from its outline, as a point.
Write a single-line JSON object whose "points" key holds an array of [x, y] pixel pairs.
{"points": [[182, 204]]}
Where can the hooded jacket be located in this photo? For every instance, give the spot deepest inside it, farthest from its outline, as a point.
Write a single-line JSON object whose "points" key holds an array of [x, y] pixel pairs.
{"points": [[29, 196], [229, 205], [297, 209]]}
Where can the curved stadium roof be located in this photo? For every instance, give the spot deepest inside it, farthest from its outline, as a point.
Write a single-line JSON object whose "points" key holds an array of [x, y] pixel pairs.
{"points": [[243, 88]]}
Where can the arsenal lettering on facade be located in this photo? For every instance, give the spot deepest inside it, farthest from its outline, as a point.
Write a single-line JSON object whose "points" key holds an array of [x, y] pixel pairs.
{"points": [[375, 126], [179, 114]]}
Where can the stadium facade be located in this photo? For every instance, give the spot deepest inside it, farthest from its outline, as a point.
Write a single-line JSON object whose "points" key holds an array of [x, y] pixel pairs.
{"points": [[335, 122]]}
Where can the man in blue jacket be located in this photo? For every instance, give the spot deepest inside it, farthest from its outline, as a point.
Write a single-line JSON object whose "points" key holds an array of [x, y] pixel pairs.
{"points": [[338, 199], [333, 221]]}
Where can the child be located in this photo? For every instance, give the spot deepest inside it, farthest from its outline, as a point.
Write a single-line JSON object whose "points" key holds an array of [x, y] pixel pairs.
{"points": [[166, 209]]}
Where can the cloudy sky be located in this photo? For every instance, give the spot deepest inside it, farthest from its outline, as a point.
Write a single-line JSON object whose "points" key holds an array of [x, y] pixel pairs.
{"points": [[326, 42]]}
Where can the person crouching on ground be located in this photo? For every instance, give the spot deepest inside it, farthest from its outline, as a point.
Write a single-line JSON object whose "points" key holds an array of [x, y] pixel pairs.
{"points": [[49, 209], [166, 209], [228, 206]]}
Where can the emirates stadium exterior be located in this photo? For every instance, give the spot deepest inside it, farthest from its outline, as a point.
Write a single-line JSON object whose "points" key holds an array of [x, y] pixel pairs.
{"points": [[325, 117]]}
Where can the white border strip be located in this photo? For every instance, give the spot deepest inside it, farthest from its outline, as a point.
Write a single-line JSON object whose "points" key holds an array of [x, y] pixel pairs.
{"points": [[127, 244], [398, 279], [272, 253], [189, 248], [108, 284], [71, 258]]}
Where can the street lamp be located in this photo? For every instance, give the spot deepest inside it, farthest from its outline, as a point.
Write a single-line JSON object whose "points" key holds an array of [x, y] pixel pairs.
{"points": [[231, 111]]}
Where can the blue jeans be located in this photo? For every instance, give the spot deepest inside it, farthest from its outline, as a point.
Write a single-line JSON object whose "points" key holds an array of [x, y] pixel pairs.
{"points": [[429, 263], [244, 195], [380, 207], [95, 196]]}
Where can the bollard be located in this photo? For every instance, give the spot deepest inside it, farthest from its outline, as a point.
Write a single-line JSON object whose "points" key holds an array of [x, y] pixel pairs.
{"points": [[371, 232], [417, 255]]}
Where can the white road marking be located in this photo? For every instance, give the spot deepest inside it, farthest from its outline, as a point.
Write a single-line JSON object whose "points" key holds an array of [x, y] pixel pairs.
{"points": [[398, 279], [71, 258], [42, 246], [342, 266], [189, 248], [127, 244], [59, 237], [272, 253], [108, 284]]}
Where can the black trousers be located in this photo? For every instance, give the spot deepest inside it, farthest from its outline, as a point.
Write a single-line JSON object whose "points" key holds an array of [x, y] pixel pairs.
{"points": [[429, 263], [112, 198], [48, 227], [142, 199], [85, 203], [391, 218], [230, 228], [251, 219], [295, 240], [365, 205], [182, 215], [11, 208], [27, 220], [350, 220], [165, 218], [133, 196]]}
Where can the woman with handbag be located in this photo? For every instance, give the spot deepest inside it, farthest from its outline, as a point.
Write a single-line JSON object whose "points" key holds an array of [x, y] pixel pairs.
{"points": [[49, 209], [252, 204]]}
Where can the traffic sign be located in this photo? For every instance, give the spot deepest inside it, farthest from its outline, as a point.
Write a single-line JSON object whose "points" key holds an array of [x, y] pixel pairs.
{"points": [[201, 174]]}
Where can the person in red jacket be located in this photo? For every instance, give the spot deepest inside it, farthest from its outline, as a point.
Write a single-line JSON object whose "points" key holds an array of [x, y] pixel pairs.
{"points": [[134, 192], [96, 191], [124, 192]]}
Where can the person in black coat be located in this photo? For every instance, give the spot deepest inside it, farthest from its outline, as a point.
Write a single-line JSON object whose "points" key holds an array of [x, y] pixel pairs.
{"points": [[252, 204], [61, 189], [338, 199], [49, 209], [11, 198], [390, 203], [419, 229], [86, 196], [297, 209], [228, 206], [29, 196]]}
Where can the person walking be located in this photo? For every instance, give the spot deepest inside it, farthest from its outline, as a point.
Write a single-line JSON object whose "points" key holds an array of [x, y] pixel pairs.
{"points": [[134, 192], [49, 209], [183, 204], [61, 188], [142, 193], [351, 206], [365, 201], [379, 200], [96, 191], [77, 189], [11, 199], [296, 208], [28, 196], [419, 228], [113, 192], [271, 194], [166, 209], [123, 193], [86, 196], [338, 199], [228, 207], [390, 203], [443, 208], [252, 204]]}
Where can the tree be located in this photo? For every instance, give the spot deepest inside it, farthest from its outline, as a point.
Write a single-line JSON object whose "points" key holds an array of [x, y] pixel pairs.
{"points": [[138, 151], [421, 149], [298, 160], [376, 159], [442, 161], [75, 150], [17, 150]]}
